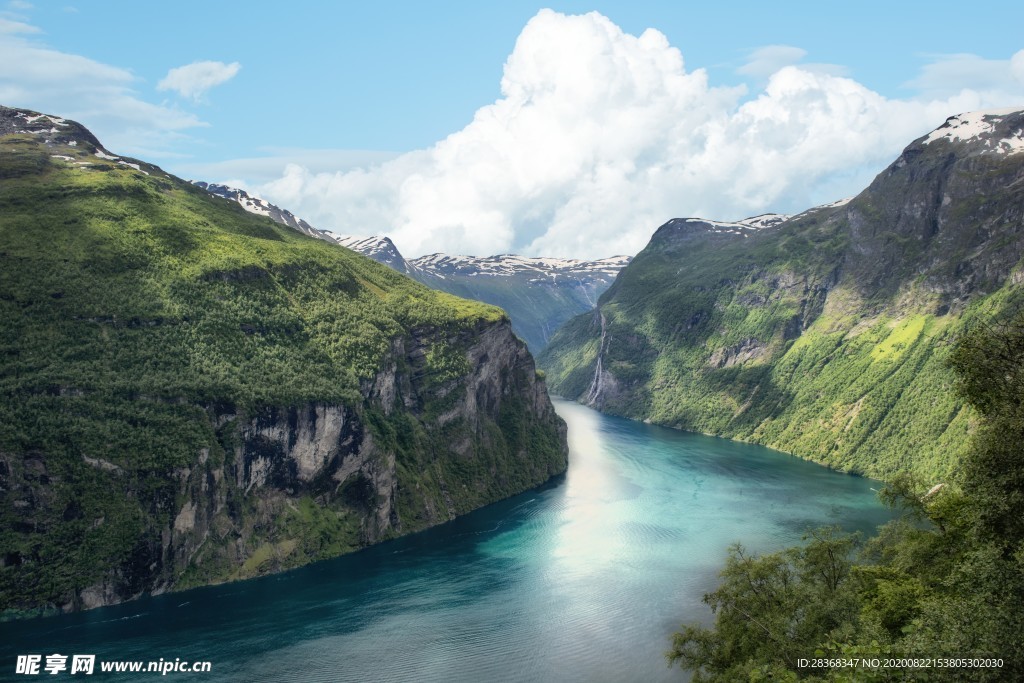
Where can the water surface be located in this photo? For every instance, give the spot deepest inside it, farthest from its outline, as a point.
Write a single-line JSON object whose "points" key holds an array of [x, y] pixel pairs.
{"points": [[584, 579]]}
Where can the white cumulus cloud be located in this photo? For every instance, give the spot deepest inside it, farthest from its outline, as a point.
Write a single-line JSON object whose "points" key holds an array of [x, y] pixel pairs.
{"points": [[599, 136], [193, 80]]}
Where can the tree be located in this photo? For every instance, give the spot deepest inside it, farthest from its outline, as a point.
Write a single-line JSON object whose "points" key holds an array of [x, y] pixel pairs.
{"points": [[944, 580]]}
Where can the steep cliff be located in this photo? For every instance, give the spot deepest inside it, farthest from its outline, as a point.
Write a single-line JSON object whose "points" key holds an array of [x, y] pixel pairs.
{"points": [[825, 335], [192, 394]]}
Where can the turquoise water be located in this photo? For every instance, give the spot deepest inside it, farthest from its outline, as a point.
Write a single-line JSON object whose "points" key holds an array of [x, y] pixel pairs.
{"points": [[584, 579]]}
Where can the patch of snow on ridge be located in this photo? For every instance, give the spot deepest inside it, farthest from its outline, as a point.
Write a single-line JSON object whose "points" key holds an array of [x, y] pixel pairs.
{"points": [[840, 202], [105, 155], [254, 206], [130, 165], [765, 220], [832, 205], [977, 125]]}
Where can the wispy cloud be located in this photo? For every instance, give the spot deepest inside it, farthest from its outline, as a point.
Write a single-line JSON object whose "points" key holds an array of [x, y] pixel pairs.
{"points": [[195, 79], [952, 74], [766, 60], [271, 164], [12, 27], [101, 96]]}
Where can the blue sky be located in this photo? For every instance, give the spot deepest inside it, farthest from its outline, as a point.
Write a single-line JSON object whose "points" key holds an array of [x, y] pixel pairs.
{"points": [[379, 88]]}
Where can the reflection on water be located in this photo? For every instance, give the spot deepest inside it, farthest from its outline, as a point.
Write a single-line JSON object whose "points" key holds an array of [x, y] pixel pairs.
{"points": [[583, 579]]}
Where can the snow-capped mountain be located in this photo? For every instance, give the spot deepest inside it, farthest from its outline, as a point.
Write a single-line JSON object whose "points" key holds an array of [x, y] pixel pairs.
{"points": [[443, 266], [998, 131], [538, 293], [536, 269], [262, 207], [380, 249]]}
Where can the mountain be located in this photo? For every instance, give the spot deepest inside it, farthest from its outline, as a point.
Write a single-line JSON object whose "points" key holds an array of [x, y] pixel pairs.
{"points": [[826, 334], [380, 249], [190, 393], [539, 294]]}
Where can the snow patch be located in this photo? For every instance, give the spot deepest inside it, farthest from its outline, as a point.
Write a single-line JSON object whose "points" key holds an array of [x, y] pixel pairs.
{"points": [[534, 268], [129, 165], [254, 205], [765, 220], [979, 125]]}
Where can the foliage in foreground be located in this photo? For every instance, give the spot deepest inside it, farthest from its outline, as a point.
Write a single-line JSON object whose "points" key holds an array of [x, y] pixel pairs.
{"points": [[946, 580]]}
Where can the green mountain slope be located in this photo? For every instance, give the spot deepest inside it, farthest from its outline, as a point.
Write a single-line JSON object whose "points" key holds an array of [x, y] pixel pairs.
{"points": [[191, 394], [827, 335]]}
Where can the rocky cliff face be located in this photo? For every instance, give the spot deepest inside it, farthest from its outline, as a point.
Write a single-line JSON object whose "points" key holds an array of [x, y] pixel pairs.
{"points": [[824, 334], [296, 484], [192, 394], [946, 215], [289, 485]]}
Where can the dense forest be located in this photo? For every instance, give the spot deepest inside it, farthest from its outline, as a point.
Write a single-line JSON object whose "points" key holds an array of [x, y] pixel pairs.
{"points": [[943, 582]]}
